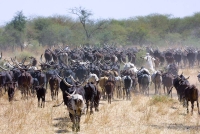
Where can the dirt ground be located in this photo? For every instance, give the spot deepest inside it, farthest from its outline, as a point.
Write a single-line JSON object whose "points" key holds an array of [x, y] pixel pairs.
{"points": [[141, 115]]}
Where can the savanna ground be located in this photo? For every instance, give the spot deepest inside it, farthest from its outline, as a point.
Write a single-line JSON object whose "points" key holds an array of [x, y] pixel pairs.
{"points": [[150, 115]]}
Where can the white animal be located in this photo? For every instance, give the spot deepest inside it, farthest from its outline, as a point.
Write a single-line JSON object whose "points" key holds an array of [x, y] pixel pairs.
{"points": [[149, 62]]}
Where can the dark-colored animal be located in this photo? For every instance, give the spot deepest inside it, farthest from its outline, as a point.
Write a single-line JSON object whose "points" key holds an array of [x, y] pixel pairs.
{"points": [[11, 90], [156, 78], [191, 94], [90, 94], [127, 86], [180, 83], [167, 81], [144, 80], [25, 83], [41, 92], [54, 86], [73, 98], [109, 87]]}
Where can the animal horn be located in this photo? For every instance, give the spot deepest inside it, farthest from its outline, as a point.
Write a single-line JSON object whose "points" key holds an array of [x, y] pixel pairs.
{"points": [[70, 94], [122, 61], [66, 83], [3, 68]]}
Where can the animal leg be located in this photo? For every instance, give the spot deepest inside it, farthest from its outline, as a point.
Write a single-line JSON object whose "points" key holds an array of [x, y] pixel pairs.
{"points": [[198, 106], [192, 106]]}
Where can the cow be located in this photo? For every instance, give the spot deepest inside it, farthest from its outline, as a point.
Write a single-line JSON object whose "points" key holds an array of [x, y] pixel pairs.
{"points": [[167, 81], [144, 80], [180, 83], [73, 98], [11, 90], [102, 83], [149, 62], [191, 94], [54, 86], [90, 94], [118, 86], [92, 78], [41, 92], [25, 82], [156, 78], [127, 86], [109, 87]]}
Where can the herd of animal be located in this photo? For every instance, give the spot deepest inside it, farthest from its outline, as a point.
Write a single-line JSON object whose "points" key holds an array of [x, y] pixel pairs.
{"points": [[86, 75]]}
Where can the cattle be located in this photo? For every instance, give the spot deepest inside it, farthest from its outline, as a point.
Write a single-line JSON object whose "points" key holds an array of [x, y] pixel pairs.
{"points": [[127, 87], [173, 69], [180, 83], [190, 56], [109, 87], [63, 58], [191, 94], [54, 86], [92, 78], [102, 83], [97, 99], [73, 98], [167, 81], [25, 82], [144, 80], [90, 94], [118, 86], [11, 90], [149, 62], [5, 77], [156, 78], [41, 92], [198, 57]]}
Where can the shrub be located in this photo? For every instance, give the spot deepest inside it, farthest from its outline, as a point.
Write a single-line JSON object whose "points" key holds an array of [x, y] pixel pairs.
{"points": [[139, 61]]}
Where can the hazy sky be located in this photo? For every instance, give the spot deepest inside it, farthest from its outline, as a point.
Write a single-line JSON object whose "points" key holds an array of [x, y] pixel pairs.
{"points": [[101, 9]]}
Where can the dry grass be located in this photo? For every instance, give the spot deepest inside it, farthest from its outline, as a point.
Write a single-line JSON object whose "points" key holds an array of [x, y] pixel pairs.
{"points": [[149, 115]]}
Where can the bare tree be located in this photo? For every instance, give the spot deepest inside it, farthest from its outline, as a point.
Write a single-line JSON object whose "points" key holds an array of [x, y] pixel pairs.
{"points": [[90, 26]]}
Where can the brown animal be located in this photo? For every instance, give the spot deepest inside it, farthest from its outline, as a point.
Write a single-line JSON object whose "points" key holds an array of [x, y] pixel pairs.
{"points": [[191, 94], [109, 87], [25, 82], [54, 86], [102, 83], [157, 80]]}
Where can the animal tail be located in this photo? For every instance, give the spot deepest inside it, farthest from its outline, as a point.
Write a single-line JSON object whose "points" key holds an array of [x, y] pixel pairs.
{"points": [[58, 104], [170, 91]]}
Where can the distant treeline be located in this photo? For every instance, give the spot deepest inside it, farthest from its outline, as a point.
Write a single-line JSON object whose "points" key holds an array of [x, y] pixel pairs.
{"points": [[154, 29]]}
